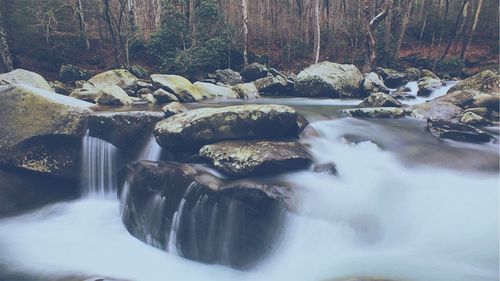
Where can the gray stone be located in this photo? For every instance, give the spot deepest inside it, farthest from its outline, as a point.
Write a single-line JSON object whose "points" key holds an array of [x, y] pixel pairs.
{"points": [[380, 100], [179, 86], [376, 112], [174, 108]]}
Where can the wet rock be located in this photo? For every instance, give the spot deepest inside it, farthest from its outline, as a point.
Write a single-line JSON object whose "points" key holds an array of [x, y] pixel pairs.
{"points": [[71, 73], [117, 77], [185, 209], [271, 85], [328, 79], [215, 92], [123, 129], [179, 86], [113, 95], [174, 108], [435, 109], [228, 77], [474, 82], [473, 119], [444, 129], [193, 129], [247, 91], [25, 77], [380, 100], [472, 98], [254, 71], [41, 131], [22, 191], [163, 96], [373, 83], [403, 93], [427, 85], [375, 112], [327, 168], [243, 158]]}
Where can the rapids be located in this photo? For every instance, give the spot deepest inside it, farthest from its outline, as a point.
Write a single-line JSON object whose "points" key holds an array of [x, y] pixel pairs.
{"points": [[405, 206]]}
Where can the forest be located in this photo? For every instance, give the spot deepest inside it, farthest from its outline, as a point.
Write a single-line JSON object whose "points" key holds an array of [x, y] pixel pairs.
{"points": [[245, 140], [202, 35]]}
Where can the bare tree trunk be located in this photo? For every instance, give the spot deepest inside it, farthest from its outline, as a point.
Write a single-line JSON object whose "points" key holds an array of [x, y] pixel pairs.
{"points": [[470, 33], [406, 18], [244, 11], [457, 24], [317, 34], [83, 24], [370, 26], [4, 47]]}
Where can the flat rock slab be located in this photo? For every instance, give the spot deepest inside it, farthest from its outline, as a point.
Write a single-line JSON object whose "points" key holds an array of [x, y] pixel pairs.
{"points": [[376, 112], [241, 158], [456, 131], [191, 130]]}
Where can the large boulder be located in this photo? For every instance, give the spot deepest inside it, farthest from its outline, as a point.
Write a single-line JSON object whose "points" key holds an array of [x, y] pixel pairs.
{"points": [[215, 92], [247, 91], [41, 131], [117, 77], [186, 210], [178, 85], [71, 73], [271, 84], [124, 129], [329, 79], [380, 100], [445, 129], [472, 98], [375, 112], [373, 83], [436, 109], [25, 77], [243, 158], [474, 82], [228, 77], [193, 129], [254, 71], [113, 95]]}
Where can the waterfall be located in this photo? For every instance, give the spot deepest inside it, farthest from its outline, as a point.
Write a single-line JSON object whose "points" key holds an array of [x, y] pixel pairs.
{"points": [[99, 167], [152, 151]]}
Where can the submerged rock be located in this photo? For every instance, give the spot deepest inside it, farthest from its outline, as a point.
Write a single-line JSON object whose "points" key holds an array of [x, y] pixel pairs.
{"points": [[242, 158], [214, 92], [25, 77], [456, 131], [376, 112], [380, 100], [41, 131], [327, 79], [185, 209], [254, 71], [173, 108], [178, 85], [124, 129], [193, 129]]}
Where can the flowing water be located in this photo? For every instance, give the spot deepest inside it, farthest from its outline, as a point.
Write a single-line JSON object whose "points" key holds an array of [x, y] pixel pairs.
{"points": [[405, 206]]}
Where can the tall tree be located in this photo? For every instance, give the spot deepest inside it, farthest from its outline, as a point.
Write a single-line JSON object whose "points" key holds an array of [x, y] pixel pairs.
{"points": [[454, 34], [470, 33], [244, 12], [370, 26], [406, 8], [83, 24], [4, 47], [317, 31]]}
